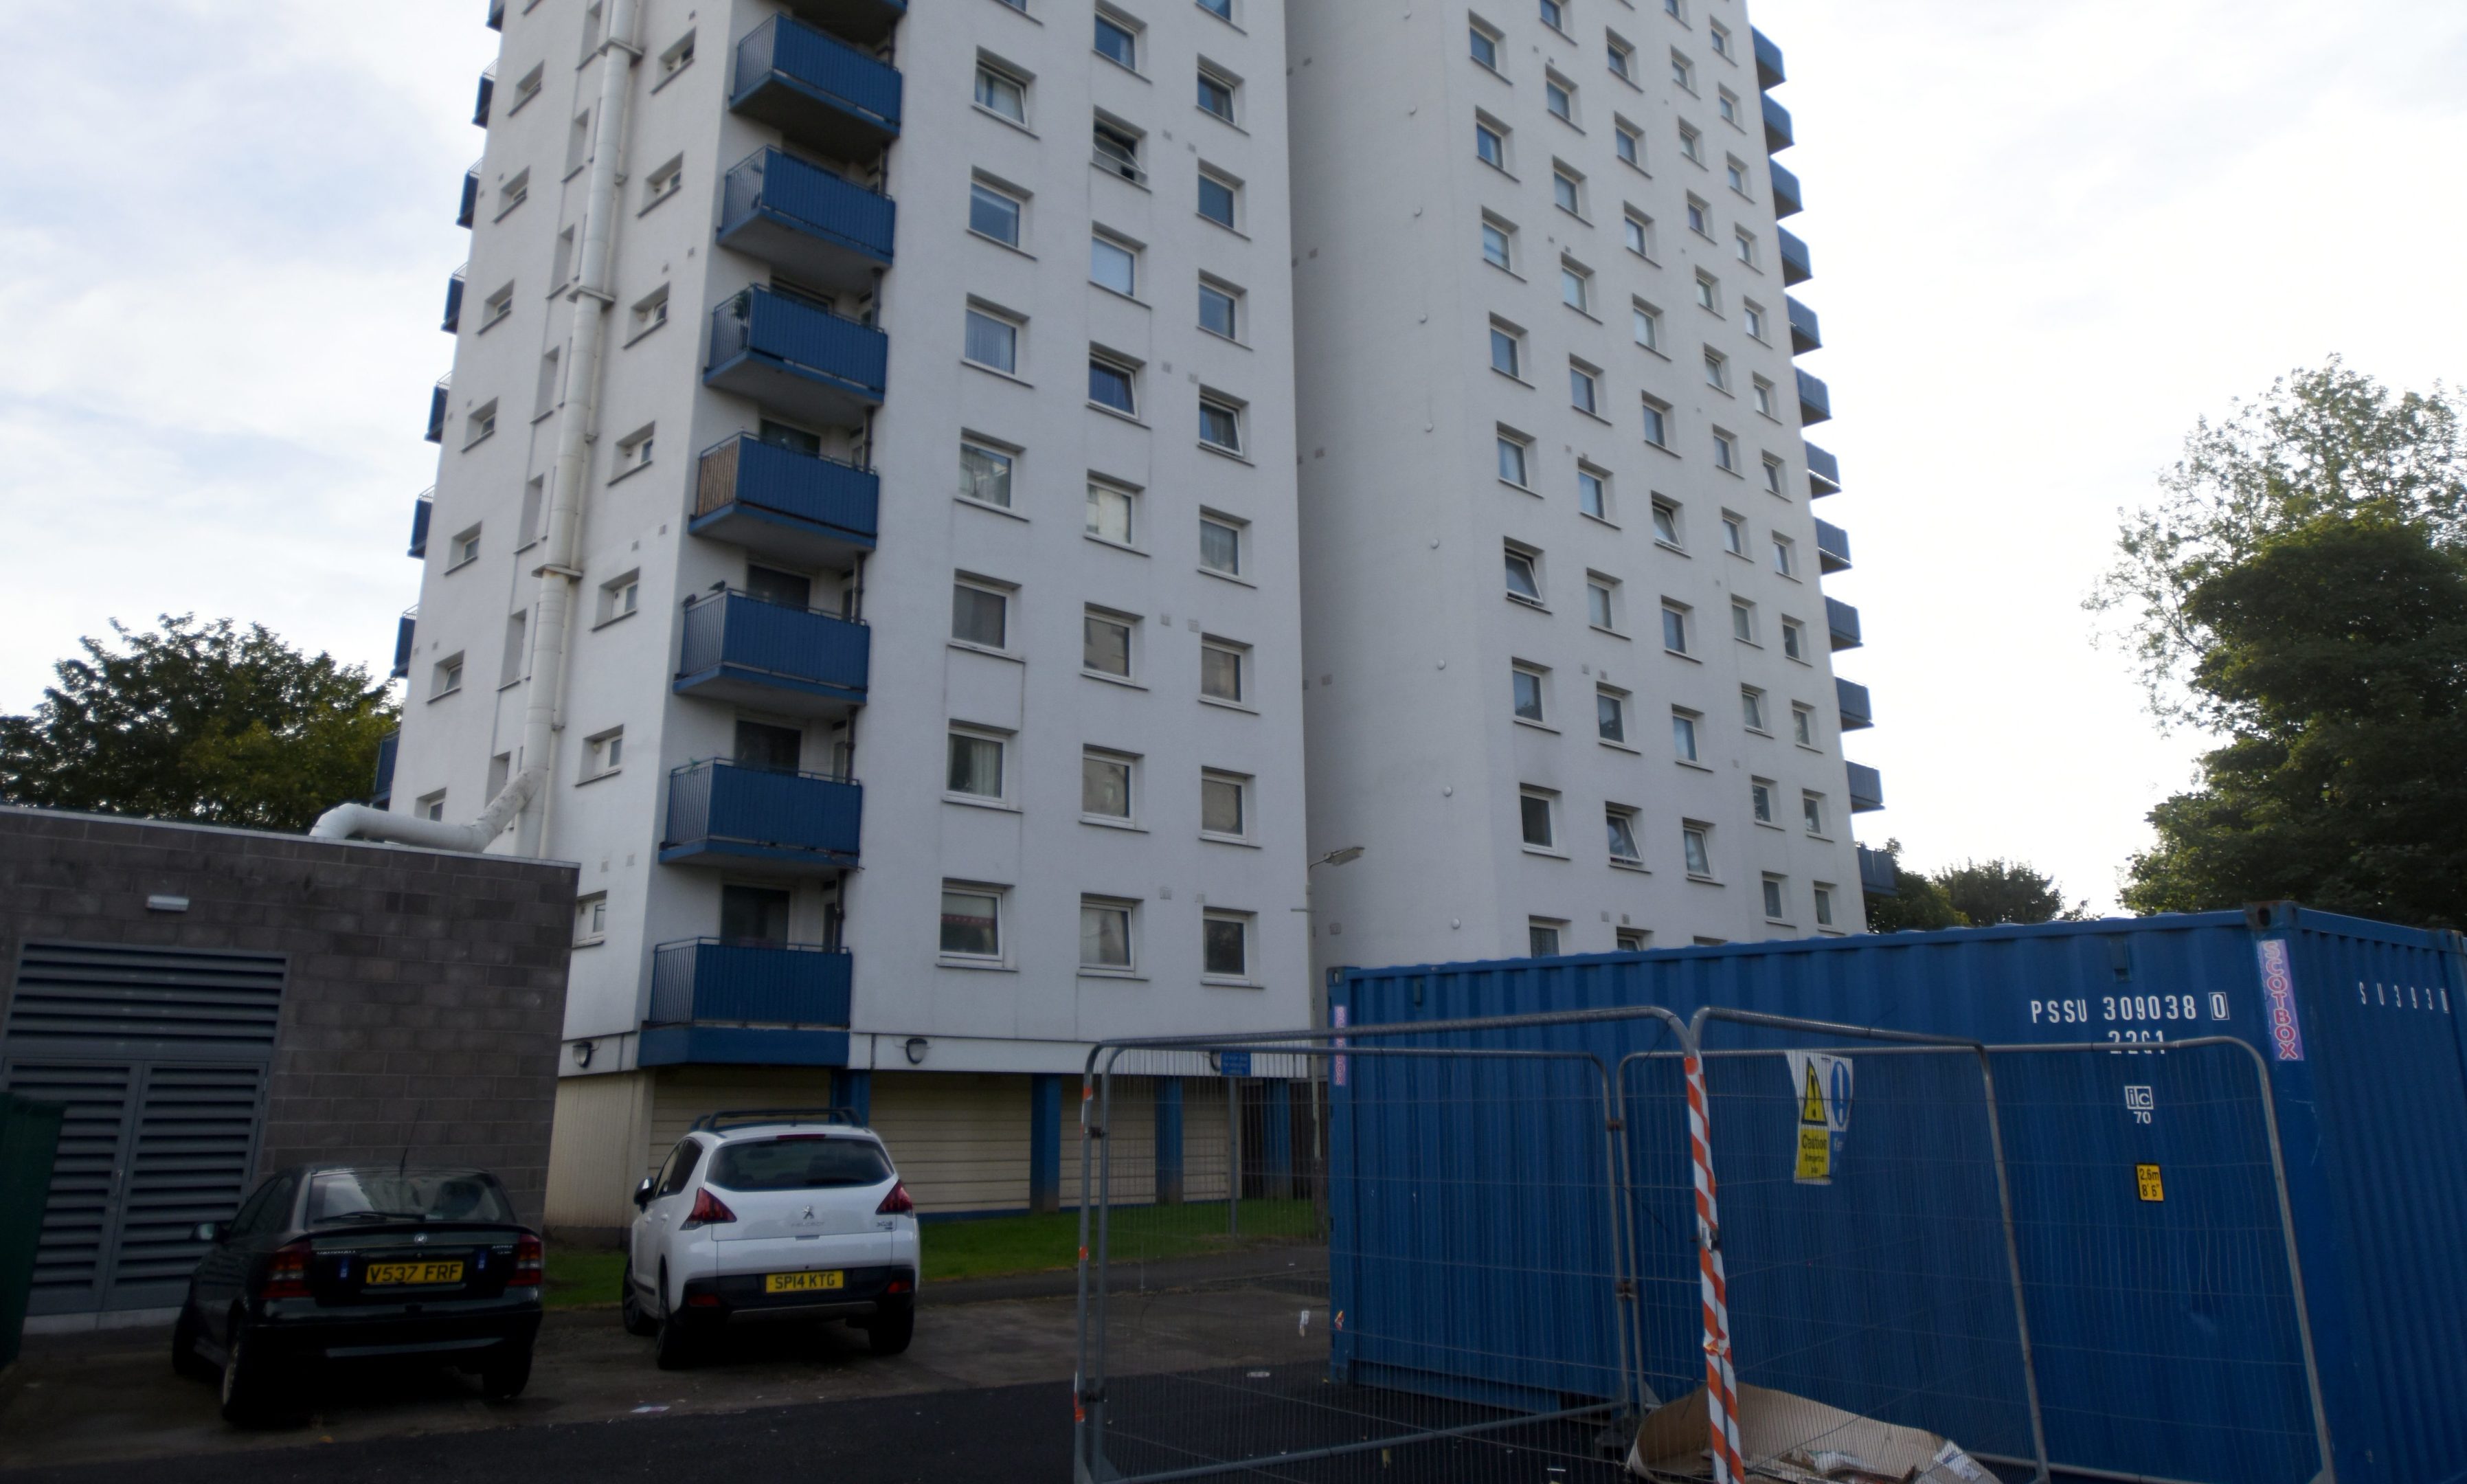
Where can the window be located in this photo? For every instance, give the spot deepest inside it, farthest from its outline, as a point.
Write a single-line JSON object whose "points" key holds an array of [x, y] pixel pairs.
{"points": [[1708, 291], [620, 596], [1506, 350], [591, 920], [1811, 813], [1112, 514], [1220, 424], [534, 502], [1220, 669], [1785, 557], [512, 193], [1794, 639], [1761, 390], [1554, 15], [1676, 10], [546, 389], [464, 549], [663, 182], [1773, 475], [564, 262], [1002, 91], [994, 214], [1696, 848], [1112, 384], [1483, 43], [975, 763], [1774, 889], [1218, 198], [604, 754], [1117, 151], [1106, 785], [1575, 287], [1631, 940], [1105, 644], [446, 678], [1802, 724], [1568, 190], [981, 614], [496, 307], [1725, 451], [992, 341], [1524, 689], [1646, 323], [1717, 370], [1674, 627], [527, 87], [1610, 715], [1220, 544], [1639, 228], [1511, 460], [1734, 534], [1743, 246], [1622, 56], [1730, 107], [1113, 265], [1682, 734], [674, 60], [1117, 43], [430, 806], [1225, 944], [1559, 96], [1524, 575], [1743, 621], [1682, 72], [483, 419], [1619, 824], [634, 449], [1490, 142], [985, 473], [650, 312], [1718, 37], [1761, 800], [1601, 601], [1223, 804], [1700, 217], [1582, 385], [1692, 143], [1541, 937], [1592, 492], [1222, 9], [971, 922], [1666, 524], [1824, 905], [1752, 315], [1497, 243], [1736, 175], [1752, 708], [1535, 807], [1628, 142], [1220, 309], [1216, 92], [514, 661]]}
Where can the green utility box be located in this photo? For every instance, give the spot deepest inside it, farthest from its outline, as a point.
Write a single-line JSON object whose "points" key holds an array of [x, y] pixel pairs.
{"points": [[30, 1139]]}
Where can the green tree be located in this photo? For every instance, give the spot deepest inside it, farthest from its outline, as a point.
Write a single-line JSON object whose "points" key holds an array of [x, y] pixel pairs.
{"points": [[1988, 892], [200, 723], [1916, 903]]}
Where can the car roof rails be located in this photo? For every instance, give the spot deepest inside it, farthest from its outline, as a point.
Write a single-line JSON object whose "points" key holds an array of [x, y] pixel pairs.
{"points": [[841, 1117]]}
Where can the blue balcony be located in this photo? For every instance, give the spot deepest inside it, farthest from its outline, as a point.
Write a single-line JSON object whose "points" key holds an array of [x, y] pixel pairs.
{"points": [[386, 746], [743, 650], [1796, 266], [746, 1003], [1876, 874], [1805, 334], [797, 356], [453, 321], [816, 89], [470, 207], [829, 231], [1867, 788], [1851, 698], [487, 91], [437, 396], [420, 509], [859, 20], [1823, 473], [779, 502], [1832, 548], [402, 632], [1785, 192], [496, 14], [1769, 68], [1842, 623], [1778, 137], [1815, 401], [753, 819]]}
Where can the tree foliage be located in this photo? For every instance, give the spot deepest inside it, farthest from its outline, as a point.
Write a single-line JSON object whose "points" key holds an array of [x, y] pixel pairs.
{"points": [[203, 722], [1989, 892]]}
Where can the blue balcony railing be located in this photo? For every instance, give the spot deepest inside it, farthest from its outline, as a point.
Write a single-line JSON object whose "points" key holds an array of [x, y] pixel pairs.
{"points": [[706, 979], [1805, 332], [815, 88], [454, 300], [496, 14], [726, 815], [781, 501], [387, 746], [1842, 623], [1769, 68], [738, 647], [1786, 198], [1778, 136], [858, 20], [1823, 473], [797, 356], [1876, 873], [402, 636], [470, 207], [1815, 400], [784, 211], [1867, 788], [1832, 548], [487, 91], [420, 509], [437, 396], [1851, 698], [1796, 266]]}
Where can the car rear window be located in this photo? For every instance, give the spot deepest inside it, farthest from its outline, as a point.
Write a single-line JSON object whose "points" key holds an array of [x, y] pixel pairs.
{"points": [[336, 1196], [799, 1162]]}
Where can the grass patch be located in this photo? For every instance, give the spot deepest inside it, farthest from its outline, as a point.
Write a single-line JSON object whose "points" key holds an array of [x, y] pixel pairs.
{"points": [[580, 1276], [1001, 1246]]}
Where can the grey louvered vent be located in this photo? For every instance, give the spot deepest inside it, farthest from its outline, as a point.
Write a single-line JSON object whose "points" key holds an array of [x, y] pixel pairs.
{"points": [[76, 992]]}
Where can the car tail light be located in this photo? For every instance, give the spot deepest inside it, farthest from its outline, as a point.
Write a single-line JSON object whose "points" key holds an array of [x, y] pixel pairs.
{"points": [[286, 1272], [531, 1256], [707, 1211], [899, 1285], [897, 1203]]}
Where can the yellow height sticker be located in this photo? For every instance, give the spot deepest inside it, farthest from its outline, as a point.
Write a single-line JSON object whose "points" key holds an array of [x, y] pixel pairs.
{"points": [[2145, 1179]]}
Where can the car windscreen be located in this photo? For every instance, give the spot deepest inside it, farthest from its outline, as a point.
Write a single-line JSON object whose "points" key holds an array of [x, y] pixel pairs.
{"points": [[341, 1196], [804, 1161]]}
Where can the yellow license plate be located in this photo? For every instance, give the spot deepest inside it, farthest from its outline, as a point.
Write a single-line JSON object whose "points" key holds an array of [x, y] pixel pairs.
{"points": [[802, 1281], [387, 1273]]}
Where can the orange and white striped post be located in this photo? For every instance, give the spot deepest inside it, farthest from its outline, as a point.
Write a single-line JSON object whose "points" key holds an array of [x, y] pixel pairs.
{"points": [[1721, 1381]]}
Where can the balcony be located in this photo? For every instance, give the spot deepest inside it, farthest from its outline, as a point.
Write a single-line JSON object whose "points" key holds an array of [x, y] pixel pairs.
{"points": [[753, 819], [747, 1003], [859, 20], [1769, 69], [437, 396], [1777, 128], [816, 89], [420, 509], [1832, 548], [1815, 401], [1867, 788], [1805, 332], [403, 631], [1785, 192], [453, 321], [779, 502], [470, 207], [797, 356], [1796, 266], [1842, 623], [496, 14], [743, 650], [830, 231], [386, 746], [1876, 874], [1851, 698], [487, 91], [1823, 473]]}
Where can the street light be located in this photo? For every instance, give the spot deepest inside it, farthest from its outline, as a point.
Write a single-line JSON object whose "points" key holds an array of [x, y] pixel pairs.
{"points": [[1338, 857]]}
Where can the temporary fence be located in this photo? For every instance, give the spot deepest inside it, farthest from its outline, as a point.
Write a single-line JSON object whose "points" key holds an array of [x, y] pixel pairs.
{"points": [[1529, 1250]]}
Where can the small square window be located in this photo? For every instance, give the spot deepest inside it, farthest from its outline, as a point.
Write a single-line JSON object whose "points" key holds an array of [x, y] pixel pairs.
{"points": [[981, 614], [1225, 944], [446, 677], [1592, 492], [1717, 370], [1497, 244], [1692, 143], [1743, 246], [1725, 451], [1113, 384], [1575, 287], [1619, 824], [634, 449], [985, 473], [1106, 785], [1622, 57], [971, 922], [1761, 800], [992, 341], [1220, 544], [1526, 692], [1736, 175], [1216, 92], [1824, 905], [1752, 708], [1583, 387], [1802, 724], [1708, 291], [1811, 813], [464, 549], [1639, 228], [1761, 392], [1610, 715], [1220, 308], [1535, 809], [1631, 940], [1674, 627], [1117, 43], [1682, 735], [1728, 107], [1117, 150], [1222, 9], [1785, 557], [650, 312], [620, 596], [1646, 324], [1568, 191], [1482, 44], [976, 759], [1220, 424], [1112, 513], [591, 920], [1104, 934], [1743, 621], [1559, 96], [1221, 667], [1718, 37], [1506, 350], [1219, 199], [994, 214], [1554, 15], [1105, 644], [674, 60], [1490, 142], [1656, 422], [1774, 892], [1682, 72], [501, 303], [1541, 937], [1524, 575], [1512, 461], [482, 421], [1752, 317], [605, 753], [1700, 217], [1114, 263], [1223, 804], [1734, 534], [1696, 848], [1601, 601], [1002, 91], [1773, 474], [1666, 524], [1794, 639], [663, 182], [1628, 143]]}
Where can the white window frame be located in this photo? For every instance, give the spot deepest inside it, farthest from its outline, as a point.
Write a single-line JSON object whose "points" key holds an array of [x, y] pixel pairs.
{"points": [[1000, 740], [1249, 925], [1132, 788], [1000, 899], [1549, 799], [1241, 784]]}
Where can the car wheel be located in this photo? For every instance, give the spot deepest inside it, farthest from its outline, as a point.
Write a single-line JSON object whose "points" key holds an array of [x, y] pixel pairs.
{"points": [[186, 1332], [894, 1326], [508, 1371], [253, 1384], [629, 1308], [672, 1348]]}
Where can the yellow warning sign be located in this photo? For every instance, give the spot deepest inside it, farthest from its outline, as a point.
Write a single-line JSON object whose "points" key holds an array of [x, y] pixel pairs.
{"points": [[1815, 1154], [2145, 1177], [1811, 1102]]}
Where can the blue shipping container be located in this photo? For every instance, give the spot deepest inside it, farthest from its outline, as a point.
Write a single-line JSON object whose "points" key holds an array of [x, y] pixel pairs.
{"points": [[2357, 1021]]}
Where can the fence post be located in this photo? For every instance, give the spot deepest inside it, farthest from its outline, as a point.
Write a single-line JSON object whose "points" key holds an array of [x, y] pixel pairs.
{"points": [[1233, 1156], [1044, 1143], [1277, 1138], [1168, 1141], [2013, 1268]]}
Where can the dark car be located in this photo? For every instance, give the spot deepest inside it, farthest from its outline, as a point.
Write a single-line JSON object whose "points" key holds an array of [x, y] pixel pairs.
{"points": [[343, 1263]]}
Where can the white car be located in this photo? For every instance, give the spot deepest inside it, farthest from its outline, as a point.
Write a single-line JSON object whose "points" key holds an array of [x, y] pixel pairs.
{"points": [[772, 1213]]}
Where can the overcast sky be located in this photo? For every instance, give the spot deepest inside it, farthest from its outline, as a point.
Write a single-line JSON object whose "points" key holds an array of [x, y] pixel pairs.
{"points": [[2048, 237]]}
